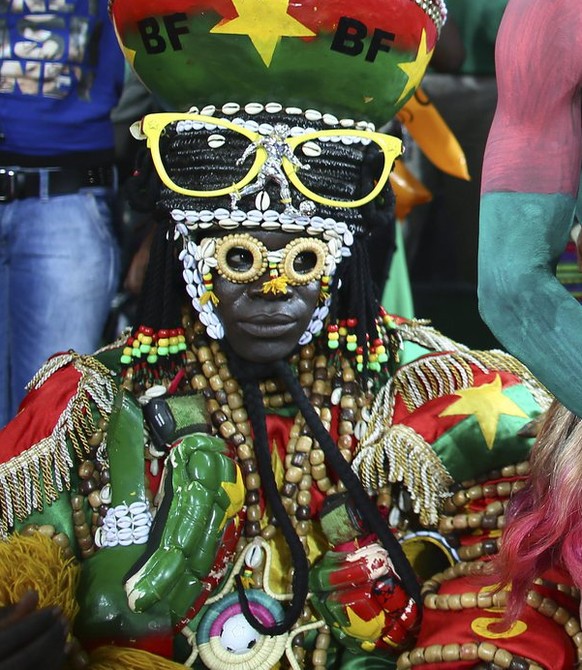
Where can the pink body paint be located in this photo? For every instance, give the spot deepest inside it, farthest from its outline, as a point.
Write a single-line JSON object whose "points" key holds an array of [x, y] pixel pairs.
{"points": [[535, 143]]}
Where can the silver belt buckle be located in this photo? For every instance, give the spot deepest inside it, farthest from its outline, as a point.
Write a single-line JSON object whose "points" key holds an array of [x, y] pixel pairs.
{"points": [[7, 185]]}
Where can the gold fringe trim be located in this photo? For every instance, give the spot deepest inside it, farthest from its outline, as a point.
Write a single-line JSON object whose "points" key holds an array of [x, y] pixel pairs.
{"points": [[402, 455], [390, 453], [432, 377], [420, 332], [50, 460], [125, 658], [35, 562]]}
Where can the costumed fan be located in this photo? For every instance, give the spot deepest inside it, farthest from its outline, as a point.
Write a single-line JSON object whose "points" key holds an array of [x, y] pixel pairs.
{"points": [[263, 472]]}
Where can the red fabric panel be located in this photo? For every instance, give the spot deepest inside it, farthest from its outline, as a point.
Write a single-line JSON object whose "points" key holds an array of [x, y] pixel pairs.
{"points": [[39, 413]]}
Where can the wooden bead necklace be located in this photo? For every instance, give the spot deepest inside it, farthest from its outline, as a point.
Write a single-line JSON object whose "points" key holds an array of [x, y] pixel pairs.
{"points": [[304, 461], [491, 655]]}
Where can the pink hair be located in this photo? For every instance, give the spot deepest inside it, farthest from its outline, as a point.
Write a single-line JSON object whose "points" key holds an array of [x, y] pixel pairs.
{"points": [[544, 523]]}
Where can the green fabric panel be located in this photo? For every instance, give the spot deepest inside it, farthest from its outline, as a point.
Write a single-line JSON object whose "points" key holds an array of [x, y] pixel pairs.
{"points": [[189, 412], [110, 358], [397, 295], [57, 514], [411, 352]]}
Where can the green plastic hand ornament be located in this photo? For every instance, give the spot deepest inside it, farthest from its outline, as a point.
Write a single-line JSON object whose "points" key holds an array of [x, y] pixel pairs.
{"points": [[202, 495]]}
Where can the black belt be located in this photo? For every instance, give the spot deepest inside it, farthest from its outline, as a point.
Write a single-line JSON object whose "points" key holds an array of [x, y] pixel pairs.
{"points": [[18, 183]]}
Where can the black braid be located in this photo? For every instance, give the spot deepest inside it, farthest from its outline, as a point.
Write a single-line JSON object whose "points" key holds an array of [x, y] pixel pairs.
{"points": [[355, 297], [342, 468], [151, 301], [254, 404], [160, 300]]}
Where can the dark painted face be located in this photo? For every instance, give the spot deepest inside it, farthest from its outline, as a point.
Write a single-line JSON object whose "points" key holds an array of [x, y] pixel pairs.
{"points": [[265, 327]]}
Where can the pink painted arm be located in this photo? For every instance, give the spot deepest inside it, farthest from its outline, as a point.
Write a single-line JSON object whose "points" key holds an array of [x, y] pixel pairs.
{"points": [[536, 138]]}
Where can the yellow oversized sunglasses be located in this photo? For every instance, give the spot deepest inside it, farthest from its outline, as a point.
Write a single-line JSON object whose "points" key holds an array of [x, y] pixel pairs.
{"points": [[213, 134]]}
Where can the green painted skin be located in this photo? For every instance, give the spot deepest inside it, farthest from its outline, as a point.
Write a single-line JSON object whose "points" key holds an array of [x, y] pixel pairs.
{"points": [[521, 300]]}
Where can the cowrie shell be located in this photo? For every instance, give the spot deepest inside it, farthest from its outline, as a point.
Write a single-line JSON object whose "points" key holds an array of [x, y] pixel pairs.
{"points": [[311, 149], [254, 108], [230, 108], [262, 201], [312, 115], [216, 140]]}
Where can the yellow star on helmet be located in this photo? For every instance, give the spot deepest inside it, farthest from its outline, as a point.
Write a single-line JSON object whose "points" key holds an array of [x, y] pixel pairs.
{"points": [[265, 23], [129, 54], [415, 69], [486, 403]]}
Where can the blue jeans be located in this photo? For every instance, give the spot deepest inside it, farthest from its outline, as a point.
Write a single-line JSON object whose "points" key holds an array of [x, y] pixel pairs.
{"points": [[59, 271]]}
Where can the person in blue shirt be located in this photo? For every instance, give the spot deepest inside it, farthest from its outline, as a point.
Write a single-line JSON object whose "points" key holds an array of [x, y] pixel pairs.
{"points": [[61, 74]]}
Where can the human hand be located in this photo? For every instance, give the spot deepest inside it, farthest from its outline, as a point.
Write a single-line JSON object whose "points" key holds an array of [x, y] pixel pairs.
{"points": [[32, 638]]}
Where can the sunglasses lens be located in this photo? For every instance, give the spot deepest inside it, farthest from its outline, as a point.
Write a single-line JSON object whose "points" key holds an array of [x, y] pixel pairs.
{"points": [[335, 164], [203, 156]]}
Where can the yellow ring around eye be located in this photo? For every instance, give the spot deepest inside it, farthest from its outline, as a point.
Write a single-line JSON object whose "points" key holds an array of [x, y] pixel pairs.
{"points": [[255, 247], [296, 247]]}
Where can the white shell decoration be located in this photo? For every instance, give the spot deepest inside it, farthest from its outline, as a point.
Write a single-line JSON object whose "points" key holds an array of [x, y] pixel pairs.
{"points": [[254, 108], [230, 108], [311, 149], [330, 119], [215, 141], [312, 115], [262, 201], [254, 556]]}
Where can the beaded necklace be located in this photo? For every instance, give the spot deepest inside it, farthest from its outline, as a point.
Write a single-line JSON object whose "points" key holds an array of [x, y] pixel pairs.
{"points": [[324, 384]]}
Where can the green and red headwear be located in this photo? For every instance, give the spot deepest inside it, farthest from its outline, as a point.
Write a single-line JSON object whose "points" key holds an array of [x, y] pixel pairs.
{"points": [[362, 58]]}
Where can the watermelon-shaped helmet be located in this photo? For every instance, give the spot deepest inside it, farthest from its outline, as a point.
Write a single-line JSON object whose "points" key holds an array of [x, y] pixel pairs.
{"points": [[362, 58]]}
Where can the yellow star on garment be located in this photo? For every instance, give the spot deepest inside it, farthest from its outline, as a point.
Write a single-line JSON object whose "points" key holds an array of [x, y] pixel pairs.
{"points": [[414, 69], [486, 403], [265, 22], [236, 496], [365, 630]]}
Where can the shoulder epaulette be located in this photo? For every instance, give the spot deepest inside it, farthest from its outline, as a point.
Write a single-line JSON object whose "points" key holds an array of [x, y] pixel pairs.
{"points": [[58, 417]]}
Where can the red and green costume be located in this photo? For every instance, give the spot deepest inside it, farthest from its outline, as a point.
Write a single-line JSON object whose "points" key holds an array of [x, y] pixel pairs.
{"points": [[449, 420]]}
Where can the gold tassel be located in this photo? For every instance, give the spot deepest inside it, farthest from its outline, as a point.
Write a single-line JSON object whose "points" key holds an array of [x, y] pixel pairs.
{"points": [[35, 562], [275, 285], [432, 377], [402, 455], [126, 658], [20, 490], [209, 296]]}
